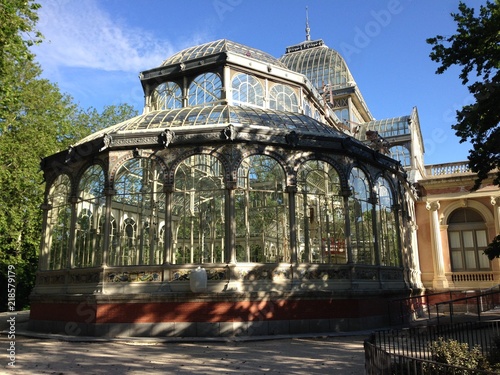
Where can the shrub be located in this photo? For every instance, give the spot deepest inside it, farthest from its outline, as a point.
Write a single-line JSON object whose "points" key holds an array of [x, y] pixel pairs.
{"points": [[454, 353]]}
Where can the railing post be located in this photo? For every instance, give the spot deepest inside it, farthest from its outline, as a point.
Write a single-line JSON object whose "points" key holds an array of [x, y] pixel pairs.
{"points": [[478, 305]]}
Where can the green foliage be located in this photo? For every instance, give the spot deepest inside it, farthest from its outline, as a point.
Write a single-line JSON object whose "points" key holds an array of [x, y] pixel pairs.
{"points": [[36, 120], [454, 353], [17, 33], [476, 48], [493, 249], [494, 353]]}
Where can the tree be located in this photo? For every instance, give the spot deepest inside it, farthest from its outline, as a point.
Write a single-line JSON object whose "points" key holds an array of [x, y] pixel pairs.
{"points": [[476, 48], [36, 120], [17, 33]]}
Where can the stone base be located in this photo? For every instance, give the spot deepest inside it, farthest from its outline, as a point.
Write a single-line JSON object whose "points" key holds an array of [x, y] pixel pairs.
{"points": [[207, 315]]}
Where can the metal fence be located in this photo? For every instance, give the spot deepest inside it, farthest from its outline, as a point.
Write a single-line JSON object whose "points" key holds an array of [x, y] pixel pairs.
{"points": [[407, 351], [446, 307]]}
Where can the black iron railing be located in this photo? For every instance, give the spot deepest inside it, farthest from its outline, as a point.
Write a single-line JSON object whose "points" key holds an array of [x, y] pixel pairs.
{"points": [[407, 351]]}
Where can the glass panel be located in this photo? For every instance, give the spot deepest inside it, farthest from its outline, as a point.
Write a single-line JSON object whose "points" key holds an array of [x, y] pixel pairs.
{"points": [[456, 258], [360, 213], [167, 95], [90, 215], [58, 224], [283, 98], [139, 207], [470, 259], [482, 240], [247, 90], [454, 240], [261, 212], [468, 237], [206, 88], [198, 211], [387, 228], [484, 262], [402, 154], [321, 224]]}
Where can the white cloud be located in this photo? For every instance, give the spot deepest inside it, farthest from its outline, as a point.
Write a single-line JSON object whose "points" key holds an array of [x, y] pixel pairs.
{"points": [[81, 34]]}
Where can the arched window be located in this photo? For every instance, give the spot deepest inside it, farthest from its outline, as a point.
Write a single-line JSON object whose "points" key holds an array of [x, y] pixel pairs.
{"points": [[247, 89], [206, 88], [402, 154], [90, 211], [138, 205], [307, 108], [58, 224], [387, 228], [360, 215], [321, 214], [342, 114], [167, 95], [468, 238], [283, 98], [261, 207], [198, 211]]}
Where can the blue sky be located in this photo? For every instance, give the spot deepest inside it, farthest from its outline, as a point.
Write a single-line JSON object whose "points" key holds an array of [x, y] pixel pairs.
{"points": [[95, 49]]}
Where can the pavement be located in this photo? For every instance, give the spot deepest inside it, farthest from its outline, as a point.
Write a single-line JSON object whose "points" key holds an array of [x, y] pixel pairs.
{"points": [[340, 353]]}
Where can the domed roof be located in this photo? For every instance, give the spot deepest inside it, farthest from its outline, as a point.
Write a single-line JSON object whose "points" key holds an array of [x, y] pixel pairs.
{"points": [[218, 116], [218, 46], [320, 64]]}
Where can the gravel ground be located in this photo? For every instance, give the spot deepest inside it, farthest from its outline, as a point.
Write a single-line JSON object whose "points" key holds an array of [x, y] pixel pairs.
{"points": [[327, 355]]}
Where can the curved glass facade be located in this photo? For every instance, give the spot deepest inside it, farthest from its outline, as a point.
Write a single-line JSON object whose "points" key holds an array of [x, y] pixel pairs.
{"points": [[322, 66]]}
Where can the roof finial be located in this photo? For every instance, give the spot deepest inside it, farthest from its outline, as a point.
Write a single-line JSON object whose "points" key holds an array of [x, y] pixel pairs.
{"points": [[308, 35]]}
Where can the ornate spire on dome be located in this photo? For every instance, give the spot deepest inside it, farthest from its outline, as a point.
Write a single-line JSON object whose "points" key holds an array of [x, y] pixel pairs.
{"points": [[308, 35]]}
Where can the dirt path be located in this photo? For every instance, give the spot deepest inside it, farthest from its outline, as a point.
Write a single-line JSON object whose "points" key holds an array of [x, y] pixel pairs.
{"points": [[334, 355]]}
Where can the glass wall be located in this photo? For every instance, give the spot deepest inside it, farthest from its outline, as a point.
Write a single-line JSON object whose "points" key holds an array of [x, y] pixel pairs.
{"points": [[90, 211], [138, 206], [198, 211], [321, 215], [261, 207], [387, 227], [58, 224], [197, 227], [361, 218]]}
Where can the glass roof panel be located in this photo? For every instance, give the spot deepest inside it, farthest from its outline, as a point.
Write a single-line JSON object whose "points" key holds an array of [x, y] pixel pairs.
{"points": [[218, 46], [219, 115], [391, 127]]}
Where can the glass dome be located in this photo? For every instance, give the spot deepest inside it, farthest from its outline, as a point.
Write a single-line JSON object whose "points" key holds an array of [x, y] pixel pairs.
{"points": [[322, 65], [218, 46]]}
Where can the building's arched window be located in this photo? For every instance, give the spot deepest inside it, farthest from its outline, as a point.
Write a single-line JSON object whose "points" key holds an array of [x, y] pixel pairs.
{"points": [[261, 206], [321, 214], [167, 95], [138, 205], [198, 212], [343, 115], [247, 89], [402, 154], [58, 224], [387, 227], [307, 108], [283, 98], [90, 210], [361, 220], [467, 234], [206, 88]]}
